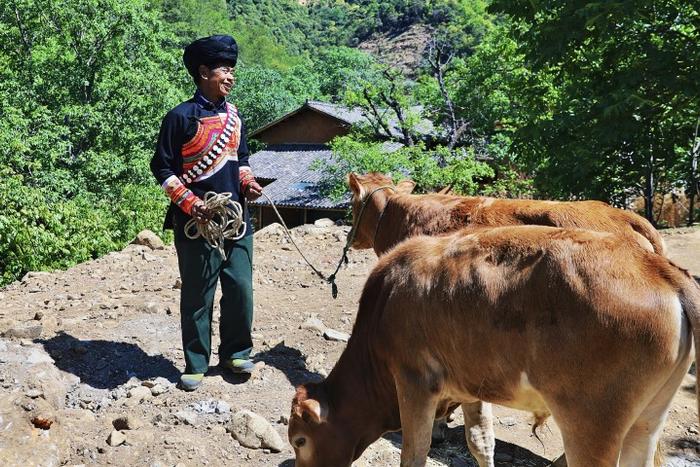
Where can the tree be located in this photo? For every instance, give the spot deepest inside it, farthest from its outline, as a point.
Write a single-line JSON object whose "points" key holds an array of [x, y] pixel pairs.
{"points": [[627, 97]]}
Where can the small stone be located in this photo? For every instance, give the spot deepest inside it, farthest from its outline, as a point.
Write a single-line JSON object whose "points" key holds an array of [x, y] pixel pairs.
{"points": [[149, 239], [178, 283], [314, 324], [42, 422], [127, 422], [34, 393], [187, 417], [38, 315], [19, 331], [324, 223], [333, 335], [693, 429], [222, 407], [116, 438], [140, 393], [150, 307], [284, 420], [159, 389], [507, 421], [253, 431]]}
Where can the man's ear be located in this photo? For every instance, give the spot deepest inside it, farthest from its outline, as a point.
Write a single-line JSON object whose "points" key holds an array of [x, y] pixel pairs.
{"points": [[203, 71], [355, 184], [405, 186]]}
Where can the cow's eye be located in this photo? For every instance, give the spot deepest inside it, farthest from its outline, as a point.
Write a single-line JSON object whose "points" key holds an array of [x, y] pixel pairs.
{"points": [[300, 442]]}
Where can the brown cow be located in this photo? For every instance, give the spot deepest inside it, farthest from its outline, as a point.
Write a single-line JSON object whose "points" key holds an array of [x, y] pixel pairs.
{"points": [[587, 326], [392, 214]]}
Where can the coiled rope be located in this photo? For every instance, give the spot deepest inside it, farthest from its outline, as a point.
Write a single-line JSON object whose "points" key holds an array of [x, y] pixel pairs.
{"points": [[226, 222]]}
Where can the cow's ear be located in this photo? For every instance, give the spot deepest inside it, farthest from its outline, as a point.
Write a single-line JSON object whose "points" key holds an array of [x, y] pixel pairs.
{"points": [[405, 186], [355, 184], [312, 411]]}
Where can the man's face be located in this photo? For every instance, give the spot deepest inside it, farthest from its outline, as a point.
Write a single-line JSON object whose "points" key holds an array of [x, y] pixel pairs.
{"points": [[216, 81]]}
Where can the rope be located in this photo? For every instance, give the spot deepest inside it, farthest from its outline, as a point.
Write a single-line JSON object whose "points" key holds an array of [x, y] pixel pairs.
{"points": [[226, 222], [351, 237]]}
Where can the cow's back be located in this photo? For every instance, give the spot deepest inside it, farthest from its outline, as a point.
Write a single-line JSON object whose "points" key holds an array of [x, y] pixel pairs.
{"points": [[410, 215], [484, 308]]}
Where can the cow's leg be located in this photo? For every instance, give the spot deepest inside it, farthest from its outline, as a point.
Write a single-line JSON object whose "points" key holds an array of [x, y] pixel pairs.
{"points": [[601, 450], [417, 406], [592, 429], [640, 444], [478, 428]]}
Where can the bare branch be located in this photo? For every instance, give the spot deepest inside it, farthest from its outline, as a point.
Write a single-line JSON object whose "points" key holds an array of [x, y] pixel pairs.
{"points": [[26, 40]]}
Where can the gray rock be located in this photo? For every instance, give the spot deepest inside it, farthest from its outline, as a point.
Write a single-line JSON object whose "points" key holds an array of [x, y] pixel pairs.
{"points": [[34, 393], [211, 406], [324, 223], [314, 324], [253, 431], [116, 438], [24, 331], [149, 239], [333, 335], [140, 393], [158, 390], [187, 417]]}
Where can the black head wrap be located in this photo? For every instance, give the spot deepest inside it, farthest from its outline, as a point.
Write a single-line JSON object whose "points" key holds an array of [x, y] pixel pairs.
{"points": [[208, 51]]}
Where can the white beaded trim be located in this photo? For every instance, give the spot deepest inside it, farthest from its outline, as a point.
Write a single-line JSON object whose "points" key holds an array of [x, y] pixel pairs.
{"points": [[216, 150]]}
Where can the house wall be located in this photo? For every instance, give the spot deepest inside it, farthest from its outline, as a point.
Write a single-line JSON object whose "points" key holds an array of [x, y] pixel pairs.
{"points": [[308, 126]]}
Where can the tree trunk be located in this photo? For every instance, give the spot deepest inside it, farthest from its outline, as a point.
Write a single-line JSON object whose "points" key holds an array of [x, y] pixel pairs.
{"points": [[649, 194]]}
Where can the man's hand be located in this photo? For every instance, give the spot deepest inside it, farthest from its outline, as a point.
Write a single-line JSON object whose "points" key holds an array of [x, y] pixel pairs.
{"points": [[253, 191], [200, 212]]}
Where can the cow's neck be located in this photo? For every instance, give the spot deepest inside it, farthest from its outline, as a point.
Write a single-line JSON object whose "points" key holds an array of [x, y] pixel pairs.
{"points": [[407, 215], [362, 390]]}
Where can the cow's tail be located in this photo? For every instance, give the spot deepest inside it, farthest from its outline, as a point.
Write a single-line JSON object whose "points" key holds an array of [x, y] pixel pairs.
{"points": [[690, 300], [644, 228]]}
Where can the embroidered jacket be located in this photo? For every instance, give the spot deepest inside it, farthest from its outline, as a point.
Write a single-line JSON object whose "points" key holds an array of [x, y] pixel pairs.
{"points": [[201, 147]]}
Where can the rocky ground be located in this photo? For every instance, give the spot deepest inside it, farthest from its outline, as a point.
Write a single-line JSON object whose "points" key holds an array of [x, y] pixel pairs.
{"points": [[89, 358]]}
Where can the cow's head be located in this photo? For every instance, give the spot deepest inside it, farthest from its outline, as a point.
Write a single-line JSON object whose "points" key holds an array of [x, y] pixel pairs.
{"points": [[362, 187], [317, 439]]}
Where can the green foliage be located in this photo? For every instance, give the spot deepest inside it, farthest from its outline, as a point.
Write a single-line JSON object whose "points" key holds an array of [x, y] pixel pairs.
{"points": [[431, 169], [263, 94], [84, 85], [627, 98]]}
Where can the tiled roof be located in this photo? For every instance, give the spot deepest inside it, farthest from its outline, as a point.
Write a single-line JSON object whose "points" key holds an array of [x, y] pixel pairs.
{"points": [[295, 183], [351, 117], [356, 115]]}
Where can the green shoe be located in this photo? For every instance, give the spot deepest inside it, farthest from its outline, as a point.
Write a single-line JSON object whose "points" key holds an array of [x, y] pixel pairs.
{"points": [[191, 381], [238, 365]]}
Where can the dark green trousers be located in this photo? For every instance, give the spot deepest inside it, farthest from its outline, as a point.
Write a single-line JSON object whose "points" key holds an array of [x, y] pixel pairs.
{"points": [[201, 267]]}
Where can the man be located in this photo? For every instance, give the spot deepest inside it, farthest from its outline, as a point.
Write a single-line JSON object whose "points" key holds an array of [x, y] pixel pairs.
{"points": [[202, 147]]}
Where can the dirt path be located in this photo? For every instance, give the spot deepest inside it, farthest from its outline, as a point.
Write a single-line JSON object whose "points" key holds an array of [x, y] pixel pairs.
{"points": [[100, 342]]}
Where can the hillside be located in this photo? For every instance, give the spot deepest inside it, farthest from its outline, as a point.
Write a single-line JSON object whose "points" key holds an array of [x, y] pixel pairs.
{"points": [[89, 357]]}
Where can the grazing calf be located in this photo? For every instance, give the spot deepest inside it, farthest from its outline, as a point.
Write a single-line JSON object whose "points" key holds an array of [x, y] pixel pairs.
{"points": [[586, 326], [393, 214]]}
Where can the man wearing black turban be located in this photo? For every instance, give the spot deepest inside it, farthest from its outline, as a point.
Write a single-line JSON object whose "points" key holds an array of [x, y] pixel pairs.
{"points": [[201, 148]]}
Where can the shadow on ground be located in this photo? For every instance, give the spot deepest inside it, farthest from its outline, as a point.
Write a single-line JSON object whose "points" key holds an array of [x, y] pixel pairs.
{"points": [[287, 463], [106, 364], [453, 451], [289, 361]]}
